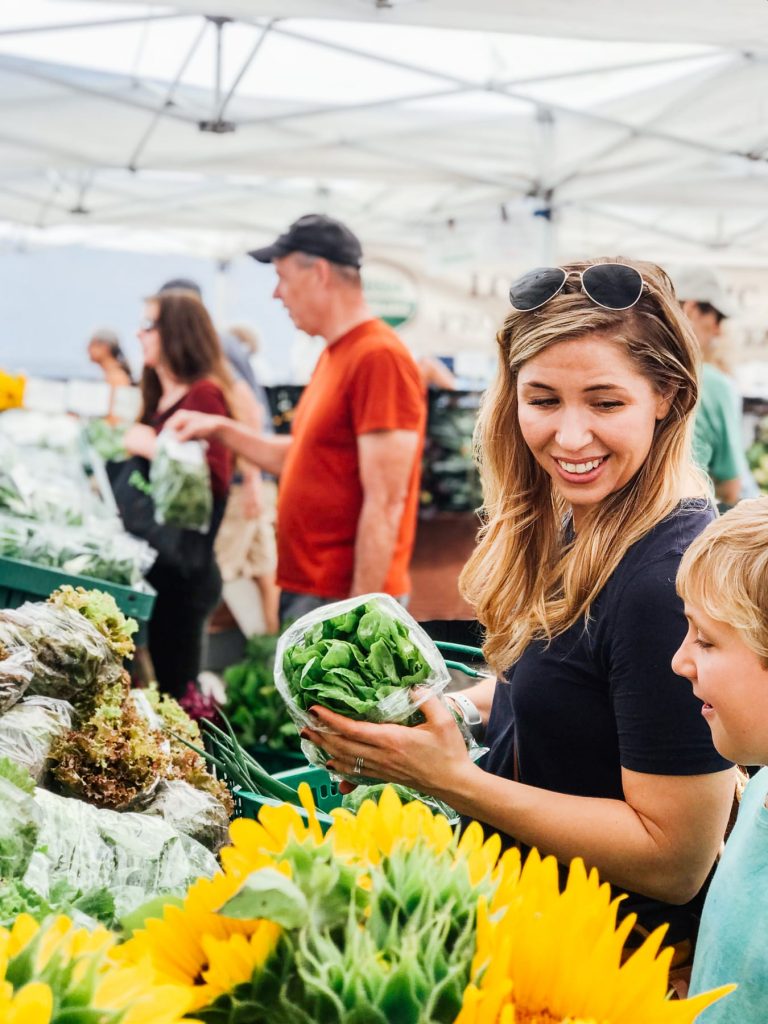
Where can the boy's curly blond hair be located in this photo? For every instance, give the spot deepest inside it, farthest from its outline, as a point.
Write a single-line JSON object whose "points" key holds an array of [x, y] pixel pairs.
{"points": [[725, 572]]}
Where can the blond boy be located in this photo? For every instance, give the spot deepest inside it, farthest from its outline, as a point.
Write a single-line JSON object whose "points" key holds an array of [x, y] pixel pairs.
{"points": [[723, 579]]}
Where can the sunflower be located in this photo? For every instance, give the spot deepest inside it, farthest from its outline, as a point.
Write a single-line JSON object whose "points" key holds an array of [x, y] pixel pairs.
{"points": [[546, 957], [203, 950], [56, 972], [378, 829], [195, 947]]}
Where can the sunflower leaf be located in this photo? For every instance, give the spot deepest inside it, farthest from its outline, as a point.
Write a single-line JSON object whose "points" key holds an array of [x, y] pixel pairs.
{"points": [[268, 894]]}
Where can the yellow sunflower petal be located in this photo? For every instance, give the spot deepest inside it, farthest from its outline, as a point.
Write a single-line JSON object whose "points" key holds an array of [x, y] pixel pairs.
{"points": [[33, 1004], [550, 957]]}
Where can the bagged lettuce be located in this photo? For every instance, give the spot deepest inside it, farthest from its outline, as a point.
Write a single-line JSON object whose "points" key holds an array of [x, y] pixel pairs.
{"points": [[364, 658], [19, 819], [135, 856], [180, 481], [29, 729]]}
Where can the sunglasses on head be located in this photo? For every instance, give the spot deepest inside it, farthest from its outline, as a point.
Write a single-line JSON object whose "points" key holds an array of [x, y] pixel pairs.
{"points": [[610, 285]]}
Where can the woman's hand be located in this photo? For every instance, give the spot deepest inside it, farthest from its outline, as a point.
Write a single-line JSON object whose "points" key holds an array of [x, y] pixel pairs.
{"points": [[140, 440], [431, 757]]}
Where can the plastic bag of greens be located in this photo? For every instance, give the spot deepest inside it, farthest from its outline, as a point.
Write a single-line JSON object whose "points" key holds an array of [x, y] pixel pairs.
{"points": [[364, 658], [181, 484], [28, 730], [107, 439], [71, 659], [19, 819], [135, 856], [119, 558], [195, 813], [16, 667], [15, 536]]}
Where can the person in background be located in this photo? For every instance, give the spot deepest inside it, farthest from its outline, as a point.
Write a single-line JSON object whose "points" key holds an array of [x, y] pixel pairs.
{"points": [[184, 368], [246, 544], [436, 374], [590, 499], [723, 579], [718, 443], [349, 471], [104, 349]]}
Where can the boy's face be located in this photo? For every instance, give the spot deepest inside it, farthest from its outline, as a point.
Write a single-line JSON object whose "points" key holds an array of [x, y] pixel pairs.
{"points": [[731, 681]]}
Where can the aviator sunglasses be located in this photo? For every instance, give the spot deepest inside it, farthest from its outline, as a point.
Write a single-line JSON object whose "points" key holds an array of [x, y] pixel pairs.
{"points": [[610, 285]]}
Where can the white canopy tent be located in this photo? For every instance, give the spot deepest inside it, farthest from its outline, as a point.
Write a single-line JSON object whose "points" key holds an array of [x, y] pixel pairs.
{"points": [[460, 143]]}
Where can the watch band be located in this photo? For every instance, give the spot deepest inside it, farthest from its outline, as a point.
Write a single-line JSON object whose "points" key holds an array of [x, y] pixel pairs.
{"points": [[469, 712]]}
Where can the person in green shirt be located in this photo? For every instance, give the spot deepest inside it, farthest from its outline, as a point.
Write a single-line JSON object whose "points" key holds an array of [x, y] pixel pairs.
{"points": [[717, 440]]}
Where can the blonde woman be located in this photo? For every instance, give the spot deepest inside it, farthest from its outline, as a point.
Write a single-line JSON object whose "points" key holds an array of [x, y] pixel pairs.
{"points": [[597, 750]]}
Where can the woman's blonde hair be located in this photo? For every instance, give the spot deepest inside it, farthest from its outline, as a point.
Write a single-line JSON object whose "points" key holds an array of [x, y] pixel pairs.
{"points": [[725, 571], [523, 580]]}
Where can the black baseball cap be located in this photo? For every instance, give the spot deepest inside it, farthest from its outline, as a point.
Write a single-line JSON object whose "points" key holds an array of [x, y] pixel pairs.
{"points": [[316, 235]]}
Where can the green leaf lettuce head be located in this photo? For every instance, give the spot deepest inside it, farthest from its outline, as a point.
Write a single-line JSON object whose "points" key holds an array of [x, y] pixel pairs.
{"points": [[101, 610], [98, 906]]}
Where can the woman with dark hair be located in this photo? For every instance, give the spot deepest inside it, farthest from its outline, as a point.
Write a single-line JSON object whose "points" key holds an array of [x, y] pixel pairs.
{"points": [[104, 350], [184, 368]]}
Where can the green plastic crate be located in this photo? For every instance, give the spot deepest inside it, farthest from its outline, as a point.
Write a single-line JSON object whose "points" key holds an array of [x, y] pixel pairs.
{"points": [[274, 761], [324, 791], [23, 581]]}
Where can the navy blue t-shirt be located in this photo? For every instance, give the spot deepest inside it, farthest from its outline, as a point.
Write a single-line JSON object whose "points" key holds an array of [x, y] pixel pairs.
{"points": [[600, 698]]}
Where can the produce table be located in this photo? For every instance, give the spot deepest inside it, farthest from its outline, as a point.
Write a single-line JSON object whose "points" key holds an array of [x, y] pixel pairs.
{"points": [[22, 581]]}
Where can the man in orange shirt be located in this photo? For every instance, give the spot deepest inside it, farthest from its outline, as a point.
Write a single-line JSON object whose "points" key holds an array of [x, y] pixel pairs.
{"points": [[349, 472]]}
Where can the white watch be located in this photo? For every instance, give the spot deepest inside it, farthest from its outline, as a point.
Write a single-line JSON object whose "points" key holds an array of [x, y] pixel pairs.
{"points": [[469, 712]]}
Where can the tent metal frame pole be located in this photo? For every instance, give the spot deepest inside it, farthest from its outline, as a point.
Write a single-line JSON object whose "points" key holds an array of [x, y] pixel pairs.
{"points": [[161, 111], [221, 108], [618, 218], [490, 86], [78, 87], [673, 107], [351, 108]]}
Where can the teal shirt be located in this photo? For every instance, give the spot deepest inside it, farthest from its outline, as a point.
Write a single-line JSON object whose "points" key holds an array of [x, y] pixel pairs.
{"points": [[718, 446], [733, 939]]}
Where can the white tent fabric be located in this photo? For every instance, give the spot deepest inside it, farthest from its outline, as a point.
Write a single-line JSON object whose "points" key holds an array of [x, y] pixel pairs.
{"points": [[659, 152], [731, 23]]}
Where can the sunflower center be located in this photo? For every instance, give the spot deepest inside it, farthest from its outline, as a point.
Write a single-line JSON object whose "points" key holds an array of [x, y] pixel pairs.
{"points": [[535, 1017]]}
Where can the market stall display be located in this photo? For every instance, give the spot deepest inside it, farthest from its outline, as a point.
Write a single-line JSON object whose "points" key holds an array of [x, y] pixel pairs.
{"points": [[757, 454], [58, 521], [389, 918], [450, 480], [387, 914], [98, 788]]}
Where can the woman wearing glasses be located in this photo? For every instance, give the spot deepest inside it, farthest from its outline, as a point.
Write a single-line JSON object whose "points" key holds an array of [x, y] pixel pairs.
{"points": [[184, 368], [597, 749]]}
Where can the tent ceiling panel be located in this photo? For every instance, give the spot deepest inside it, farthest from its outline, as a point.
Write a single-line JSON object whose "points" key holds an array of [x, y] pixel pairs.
{"points": [[635, 143], [737, 23]]}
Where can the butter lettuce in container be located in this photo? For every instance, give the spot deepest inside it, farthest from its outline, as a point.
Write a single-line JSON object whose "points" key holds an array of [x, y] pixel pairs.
{"points": [[364, 658]]}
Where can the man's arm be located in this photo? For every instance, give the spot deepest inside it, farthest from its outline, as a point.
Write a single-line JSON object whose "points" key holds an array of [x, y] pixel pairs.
{"points": [[267, 451], [386, 461], [728, 491]]}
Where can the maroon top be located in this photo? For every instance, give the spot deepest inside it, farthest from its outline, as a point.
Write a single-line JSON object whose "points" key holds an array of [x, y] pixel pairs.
{"points": [[205, 396]]}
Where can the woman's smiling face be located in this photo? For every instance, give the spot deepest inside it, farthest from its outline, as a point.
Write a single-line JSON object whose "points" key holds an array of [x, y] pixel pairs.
{"points": [[588, 416]]}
